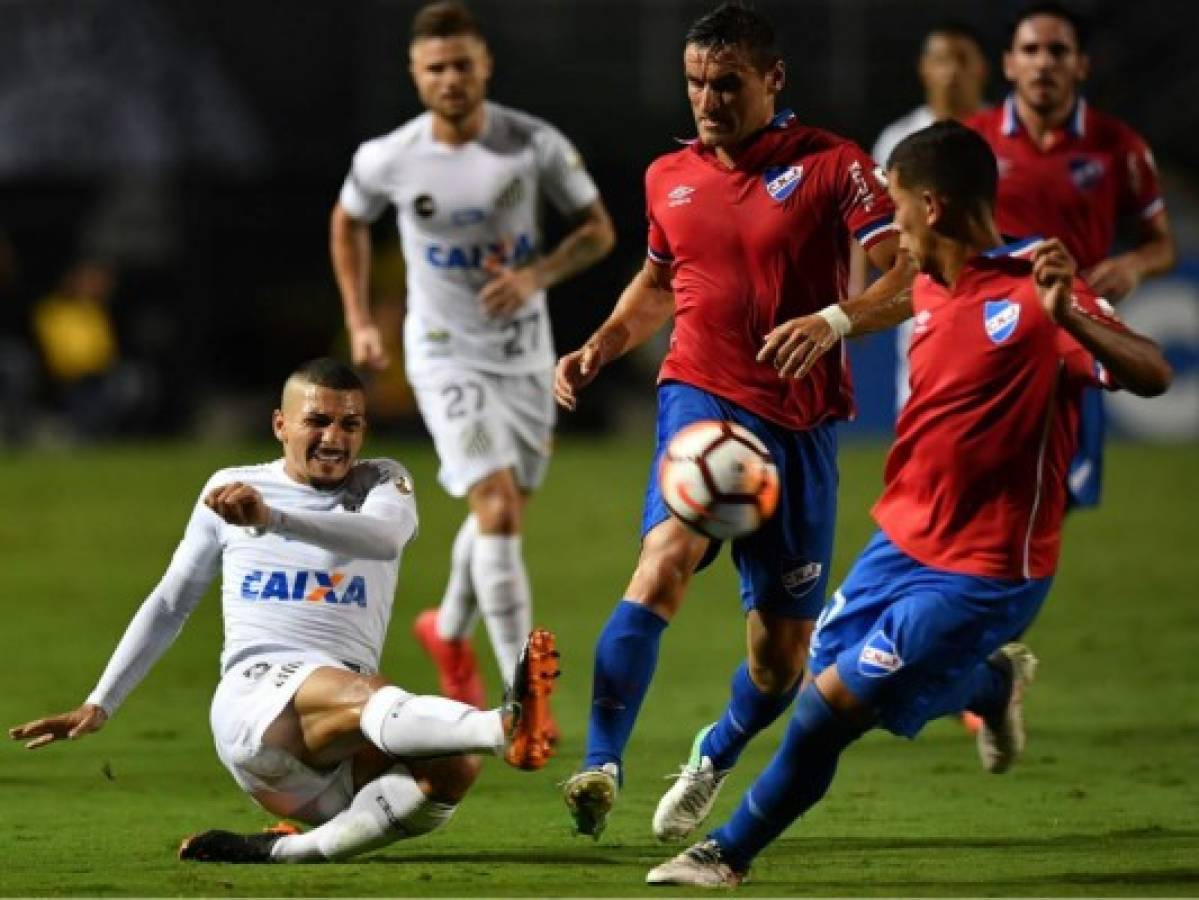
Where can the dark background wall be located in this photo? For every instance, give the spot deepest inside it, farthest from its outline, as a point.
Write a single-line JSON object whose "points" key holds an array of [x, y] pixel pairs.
{"points": [[201, 145]]}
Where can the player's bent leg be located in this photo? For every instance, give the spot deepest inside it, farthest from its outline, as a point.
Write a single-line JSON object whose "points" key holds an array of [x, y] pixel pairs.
{"points": [[626, 655], [762, 689], [827, 719]]}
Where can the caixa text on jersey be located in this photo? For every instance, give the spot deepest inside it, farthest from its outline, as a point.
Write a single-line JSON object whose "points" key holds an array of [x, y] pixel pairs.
{"points": [[472, 256], [312, 586]]}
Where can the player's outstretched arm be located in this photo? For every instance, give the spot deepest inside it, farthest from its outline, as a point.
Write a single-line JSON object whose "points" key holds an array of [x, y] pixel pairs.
{"points": [[379, 530], [794, 346], [65, 726], [645, 305], [350, 252], [587, 243]]}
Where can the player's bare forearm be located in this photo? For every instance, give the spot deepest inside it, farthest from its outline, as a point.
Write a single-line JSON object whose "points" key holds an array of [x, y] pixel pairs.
{"points": [[350, 253], [885, 303], [644, 306], [1135, 362], [587, 244]]}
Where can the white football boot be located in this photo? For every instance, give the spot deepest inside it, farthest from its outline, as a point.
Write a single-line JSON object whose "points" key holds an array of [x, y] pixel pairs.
{"points": [[700, 865], [690, 799], [1000, 740]]}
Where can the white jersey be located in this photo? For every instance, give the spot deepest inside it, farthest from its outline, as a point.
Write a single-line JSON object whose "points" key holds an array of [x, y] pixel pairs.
{"points": [[316, 580], [458, 207], [889, 137]]}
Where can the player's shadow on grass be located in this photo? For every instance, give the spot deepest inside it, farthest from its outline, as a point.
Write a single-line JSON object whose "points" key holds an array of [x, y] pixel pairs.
{"points": [[477, 857], [1061, 841]]}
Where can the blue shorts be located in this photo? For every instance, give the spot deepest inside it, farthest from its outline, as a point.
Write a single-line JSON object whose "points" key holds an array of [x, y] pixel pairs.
{"points": [[903, 635], [784, 564], [1086, 468]]}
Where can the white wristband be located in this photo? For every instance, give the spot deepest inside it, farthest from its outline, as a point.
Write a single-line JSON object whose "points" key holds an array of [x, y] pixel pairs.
{"points": [[837, 319]]}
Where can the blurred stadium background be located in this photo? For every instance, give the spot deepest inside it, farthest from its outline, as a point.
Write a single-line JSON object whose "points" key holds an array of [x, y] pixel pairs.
{"points": [[167, 169], [166, 174]]}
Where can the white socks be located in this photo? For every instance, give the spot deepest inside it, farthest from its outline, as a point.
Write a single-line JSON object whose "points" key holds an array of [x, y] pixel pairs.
{"points": [[390, 808], [407, 725], [502, 588], [459, 611]]}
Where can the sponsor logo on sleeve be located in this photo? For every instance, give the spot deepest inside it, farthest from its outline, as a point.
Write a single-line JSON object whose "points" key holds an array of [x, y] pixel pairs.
{"points": [[403, 484], [781, 181], [879, 656], [1000, 318], [864, 195]]}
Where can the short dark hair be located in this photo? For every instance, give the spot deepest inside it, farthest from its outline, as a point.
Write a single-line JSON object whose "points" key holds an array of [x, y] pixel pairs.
{"points": [[737, 24], [951, 160], [443, 19], [329, 373], [958, 29], [1080, 26]]}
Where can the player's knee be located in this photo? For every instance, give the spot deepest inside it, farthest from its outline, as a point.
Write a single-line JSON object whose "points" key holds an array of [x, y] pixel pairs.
{"points": [[496, 504], [775, 676], [447, 780]]}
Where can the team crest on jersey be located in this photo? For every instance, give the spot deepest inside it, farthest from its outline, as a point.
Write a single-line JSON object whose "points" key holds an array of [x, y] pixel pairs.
{"points": [[1000, 318], [1086, 171], [879, 657], [781, 181]]}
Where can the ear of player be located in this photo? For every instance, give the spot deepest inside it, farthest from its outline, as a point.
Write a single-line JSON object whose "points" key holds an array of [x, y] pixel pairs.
{"points": [[719, 479], [527, 713]]}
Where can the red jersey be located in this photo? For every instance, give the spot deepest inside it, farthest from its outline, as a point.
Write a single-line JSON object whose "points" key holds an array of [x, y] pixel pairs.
{"points": [[1095, 171], [976, 480], [753, 246]]}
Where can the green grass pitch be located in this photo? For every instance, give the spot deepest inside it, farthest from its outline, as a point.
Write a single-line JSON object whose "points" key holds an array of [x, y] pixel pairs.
{"points": [[1106, 801]]}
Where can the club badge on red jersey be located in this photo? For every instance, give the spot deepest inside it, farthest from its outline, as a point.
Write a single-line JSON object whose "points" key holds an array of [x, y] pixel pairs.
{"points": [[781, 181], [1000, 318]]}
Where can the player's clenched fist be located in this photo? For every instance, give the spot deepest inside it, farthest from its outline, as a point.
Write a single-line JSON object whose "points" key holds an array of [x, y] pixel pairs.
{"points": [[65, 726], [238, 504], [366, 348], [1053, 271]]}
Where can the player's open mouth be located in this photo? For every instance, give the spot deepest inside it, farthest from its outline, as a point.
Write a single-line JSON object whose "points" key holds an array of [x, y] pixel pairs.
{"points": [[328, 455]]}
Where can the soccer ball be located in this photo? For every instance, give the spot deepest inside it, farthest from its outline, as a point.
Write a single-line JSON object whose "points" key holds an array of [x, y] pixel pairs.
{"points": [[718, 479]]}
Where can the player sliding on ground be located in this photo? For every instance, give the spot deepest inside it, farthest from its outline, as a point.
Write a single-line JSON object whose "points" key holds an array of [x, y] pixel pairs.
{"points": [[309, 547], [1006, 339]]}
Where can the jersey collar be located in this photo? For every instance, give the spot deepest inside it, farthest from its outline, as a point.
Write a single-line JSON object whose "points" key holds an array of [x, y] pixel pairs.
{"points": [[1076, 122], [1020, 248]]}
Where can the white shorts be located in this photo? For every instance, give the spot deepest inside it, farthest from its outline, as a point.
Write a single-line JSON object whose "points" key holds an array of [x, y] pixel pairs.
{"points": [[250, 696], [483, 423]]}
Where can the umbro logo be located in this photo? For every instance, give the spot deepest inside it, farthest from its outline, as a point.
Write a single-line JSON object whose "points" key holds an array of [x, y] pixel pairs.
{"points": [[920, 323], [680, 195]]}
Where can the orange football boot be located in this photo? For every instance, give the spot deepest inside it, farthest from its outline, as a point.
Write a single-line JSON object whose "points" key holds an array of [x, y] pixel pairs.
{"points": [[457, 669], [529, 709]]}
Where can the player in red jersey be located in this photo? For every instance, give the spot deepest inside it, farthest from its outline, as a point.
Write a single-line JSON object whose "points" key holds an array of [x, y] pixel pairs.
{"points": [[748, 234], [1070, 171], [970, 517]]}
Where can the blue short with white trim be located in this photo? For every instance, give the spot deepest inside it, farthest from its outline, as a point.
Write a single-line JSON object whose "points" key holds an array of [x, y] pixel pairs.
{"points": [[902, 635], [784, 564]]}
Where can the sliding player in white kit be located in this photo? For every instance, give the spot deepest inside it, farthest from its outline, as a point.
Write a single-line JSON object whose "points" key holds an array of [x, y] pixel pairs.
{"points": [[465, 178], [309, 549]]}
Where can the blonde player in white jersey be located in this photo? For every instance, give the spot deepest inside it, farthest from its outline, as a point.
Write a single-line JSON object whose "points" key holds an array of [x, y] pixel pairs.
{"points": [[309, 549], [465, 178]]}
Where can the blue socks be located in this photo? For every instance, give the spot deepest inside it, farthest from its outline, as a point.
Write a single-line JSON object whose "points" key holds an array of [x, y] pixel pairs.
{"points": [[795, 780], [987, 689], [625, 657], [749, 711]]}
